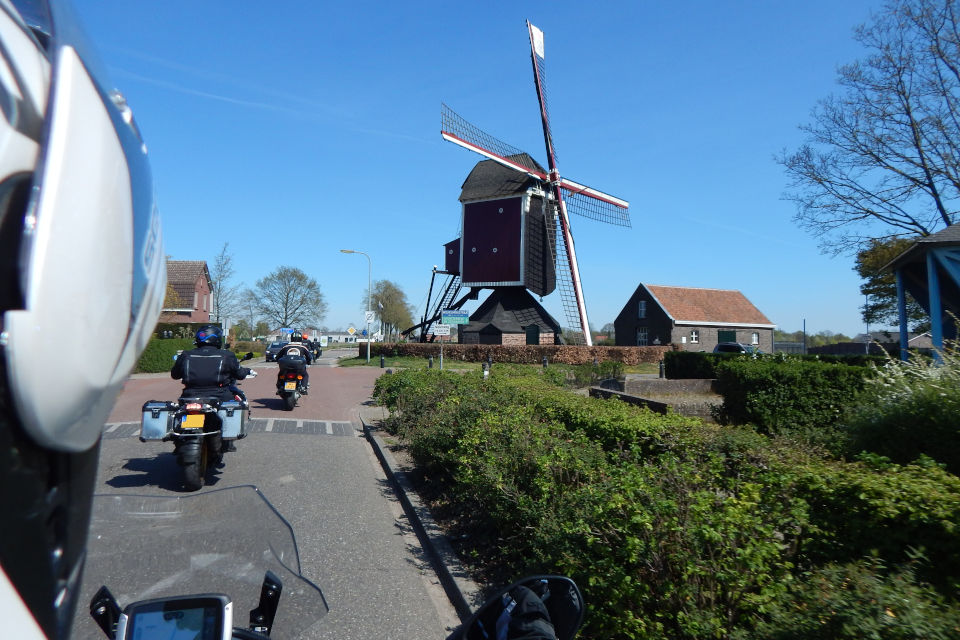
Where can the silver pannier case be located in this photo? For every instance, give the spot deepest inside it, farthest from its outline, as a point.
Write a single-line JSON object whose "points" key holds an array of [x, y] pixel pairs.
{"points": [[233, 419], [157, 420]]}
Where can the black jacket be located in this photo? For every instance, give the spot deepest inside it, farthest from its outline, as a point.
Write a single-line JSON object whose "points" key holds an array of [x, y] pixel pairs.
{"points": [[207, 371]]}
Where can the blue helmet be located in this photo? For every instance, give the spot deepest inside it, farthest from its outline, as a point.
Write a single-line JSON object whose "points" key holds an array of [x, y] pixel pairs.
{"points": [[209, 334]]}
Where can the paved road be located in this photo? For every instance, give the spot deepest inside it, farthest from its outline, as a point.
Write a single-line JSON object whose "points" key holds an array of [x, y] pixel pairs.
{"points": [[316, 468]]}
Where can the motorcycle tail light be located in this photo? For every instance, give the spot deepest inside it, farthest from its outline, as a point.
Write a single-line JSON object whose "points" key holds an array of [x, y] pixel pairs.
{"points": [[194, 406]]}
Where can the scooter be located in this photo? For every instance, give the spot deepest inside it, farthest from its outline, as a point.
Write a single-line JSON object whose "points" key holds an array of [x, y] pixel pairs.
{"points": [[202, 429], [180, 547]]}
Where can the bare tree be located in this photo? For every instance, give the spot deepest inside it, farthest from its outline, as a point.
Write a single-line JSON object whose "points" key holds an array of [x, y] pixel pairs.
{"points": [[226, 296], [289, 298], [882, 159]]}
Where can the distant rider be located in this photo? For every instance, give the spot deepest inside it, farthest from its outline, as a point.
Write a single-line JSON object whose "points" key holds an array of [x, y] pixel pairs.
{"points": [[297, 356]]}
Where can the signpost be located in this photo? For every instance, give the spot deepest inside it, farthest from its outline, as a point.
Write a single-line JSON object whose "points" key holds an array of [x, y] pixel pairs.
{"points": [[441, 329]]}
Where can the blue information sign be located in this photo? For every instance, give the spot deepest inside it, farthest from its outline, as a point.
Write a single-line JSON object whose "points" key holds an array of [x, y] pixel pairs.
{"points": [[452, 316]]}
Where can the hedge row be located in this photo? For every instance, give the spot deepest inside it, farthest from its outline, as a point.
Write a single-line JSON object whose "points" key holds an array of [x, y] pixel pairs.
{"points": [[703, 365], [523, 354], [676, 529], [159, 353], [799, 398]]}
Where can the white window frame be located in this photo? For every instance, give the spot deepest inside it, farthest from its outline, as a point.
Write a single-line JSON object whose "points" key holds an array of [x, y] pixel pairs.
{"points": [[645, 341], [755, 338], [642, 309], [694, 336]]}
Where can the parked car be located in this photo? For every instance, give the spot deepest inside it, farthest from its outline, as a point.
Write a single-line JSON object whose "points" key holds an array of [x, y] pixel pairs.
{"points": [[735, 347], [274, 349]]}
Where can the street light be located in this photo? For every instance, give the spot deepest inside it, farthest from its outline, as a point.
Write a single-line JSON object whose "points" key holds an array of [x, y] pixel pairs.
{"points": [[367, 315]]}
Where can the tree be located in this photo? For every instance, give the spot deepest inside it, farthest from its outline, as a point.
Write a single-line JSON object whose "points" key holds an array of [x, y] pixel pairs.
{"points": [[880, 287], [390, 304], [242, 330], [882, 159], [171, 300], [288, 297], [226, 296]]}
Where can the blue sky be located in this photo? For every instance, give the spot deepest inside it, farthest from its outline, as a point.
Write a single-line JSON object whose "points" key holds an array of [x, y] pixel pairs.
{"points": [[296, 129]]}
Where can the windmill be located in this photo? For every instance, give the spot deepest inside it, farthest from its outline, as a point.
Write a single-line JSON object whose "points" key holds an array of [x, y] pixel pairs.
{"points": [[515, 231], [561, 195]]}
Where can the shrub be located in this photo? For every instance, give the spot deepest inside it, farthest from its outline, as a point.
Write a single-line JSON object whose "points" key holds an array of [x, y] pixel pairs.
{"points": [[158, 354], [673, 528], [886, 509], [911, 409], [802, 399], [861, 600]]}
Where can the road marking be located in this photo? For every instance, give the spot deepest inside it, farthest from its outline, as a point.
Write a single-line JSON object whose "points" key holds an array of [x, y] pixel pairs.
{"points": [[116, 430]]}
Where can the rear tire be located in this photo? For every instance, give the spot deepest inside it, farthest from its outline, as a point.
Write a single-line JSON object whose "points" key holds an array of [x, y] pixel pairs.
{"points": [[195, 458], [289, 401]]}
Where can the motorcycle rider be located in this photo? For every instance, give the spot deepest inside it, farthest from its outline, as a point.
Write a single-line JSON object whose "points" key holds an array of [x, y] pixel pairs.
{"points": [[209, 370], [296, 355]]}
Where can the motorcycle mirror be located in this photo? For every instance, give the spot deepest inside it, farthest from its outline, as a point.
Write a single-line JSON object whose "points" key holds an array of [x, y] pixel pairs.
{"points": [[544, 600]]}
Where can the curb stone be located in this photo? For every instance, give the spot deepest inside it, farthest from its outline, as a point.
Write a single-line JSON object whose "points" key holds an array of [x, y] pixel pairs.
{"points": [[462, 592]]}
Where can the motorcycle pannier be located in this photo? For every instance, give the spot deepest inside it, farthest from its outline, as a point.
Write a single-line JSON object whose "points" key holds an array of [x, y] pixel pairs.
{"points": [[233, 419], [157, 420]]}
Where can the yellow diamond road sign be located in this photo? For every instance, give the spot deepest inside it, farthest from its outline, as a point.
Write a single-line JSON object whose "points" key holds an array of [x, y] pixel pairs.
{"points": [[351, 331]]}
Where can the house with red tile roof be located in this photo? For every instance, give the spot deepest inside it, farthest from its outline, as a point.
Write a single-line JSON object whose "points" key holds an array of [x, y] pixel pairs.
{"points": [[190, 287], [692, 319]]}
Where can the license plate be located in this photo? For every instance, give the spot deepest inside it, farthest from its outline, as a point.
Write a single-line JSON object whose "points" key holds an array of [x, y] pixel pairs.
{"points": [[289, 386], [192, 421]]}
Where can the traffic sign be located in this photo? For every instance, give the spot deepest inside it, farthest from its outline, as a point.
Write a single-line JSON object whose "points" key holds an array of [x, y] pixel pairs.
{"points": [[453, 316], [368, 316], [351, 331], [441, 329]]}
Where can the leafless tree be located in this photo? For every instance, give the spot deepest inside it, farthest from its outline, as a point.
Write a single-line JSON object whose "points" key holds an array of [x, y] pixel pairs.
{"points": [[289, 298], [882, 158], [226, 295]]}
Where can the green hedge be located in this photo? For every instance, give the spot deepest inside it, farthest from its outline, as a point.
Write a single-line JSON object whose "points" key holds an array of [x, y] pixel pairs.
{"points": [[158, 354], [800, 398], [673, 529], [703, 365]]}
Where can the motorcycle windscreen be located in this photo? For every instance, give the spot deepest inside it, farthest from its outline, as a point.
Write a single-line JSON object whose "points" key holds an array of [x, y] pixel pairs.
{"points": [[219, 541]]}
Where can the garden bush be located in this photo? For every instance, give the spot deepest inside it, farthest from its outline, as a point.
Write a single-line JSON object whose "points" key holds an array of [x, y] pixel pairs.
{"points": [[158, 354], [910, 409], [797, 398], [673, 528], [703, 365]]}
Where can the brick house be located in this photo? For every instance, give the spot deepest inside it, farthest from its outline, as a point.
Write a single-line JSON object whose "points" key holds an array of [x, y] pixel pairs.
{"points": [[692, 319], [189, 281]]}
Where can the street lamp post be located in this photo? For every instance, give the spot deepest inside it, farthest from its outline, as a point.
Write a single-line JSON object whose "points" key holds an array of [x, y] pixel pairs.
{"points": [[367, 314]]}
